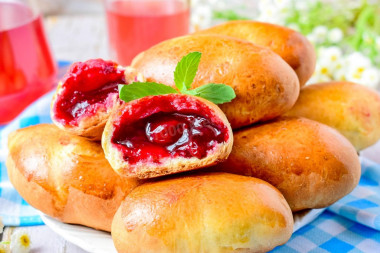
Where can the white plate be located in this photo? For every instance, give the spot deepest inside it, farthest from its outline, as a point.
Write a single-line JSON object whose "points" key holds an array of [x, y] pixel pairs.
{"points": [[89, 239], [96, 241]]}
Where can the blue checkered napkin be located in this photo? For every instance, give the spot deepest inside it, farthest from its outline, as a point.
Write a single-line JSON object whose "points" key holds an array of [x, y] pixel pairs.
{"points": [[363, 204], [13, 209], [332, 233]]}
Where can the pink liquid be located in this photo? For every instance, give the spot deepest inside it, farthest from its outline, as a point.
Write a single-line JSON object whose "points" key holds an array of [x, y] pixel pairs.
{"points": [[136, 25], [27, 69]]}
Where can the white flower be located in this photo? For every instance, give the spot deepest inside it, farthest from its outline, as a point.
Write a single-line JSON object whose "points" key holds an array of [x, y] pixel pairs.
{"points": [[302, 5], [322, 73], [318, 79], [354, 75], [371, 78], [335, 35], [320, 33], [358, 61], [20, 242], [271, 15], [202, 16], [4, 248], [330, 53], [282, 3], [340, 75]]}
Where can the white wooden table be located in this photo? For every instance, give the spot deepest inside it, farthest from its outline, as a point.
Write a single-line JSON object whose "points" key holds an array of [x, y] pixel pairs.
{"points": [[44, 240]]}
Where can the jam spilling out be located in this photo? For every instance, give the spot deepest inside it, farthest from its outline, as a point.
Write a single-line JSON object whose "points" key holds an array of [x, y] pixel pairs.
{"points": [[167, 135], [85, 89]]}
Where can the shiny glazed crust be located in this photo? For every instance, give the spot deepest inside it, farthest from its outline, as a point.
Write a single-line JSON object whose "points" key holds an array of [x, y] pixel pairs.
{"points": [[215, 212], [292, 46], [171, 165], [310, 163], [92, 126], [352, 109], [65, 176], [265, 85]]}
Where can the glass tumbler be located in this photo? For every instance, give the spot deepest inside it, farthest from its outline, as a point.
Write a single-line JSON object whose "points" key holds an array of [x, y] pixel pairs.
{"points": [[27, 68], [136, 25]]}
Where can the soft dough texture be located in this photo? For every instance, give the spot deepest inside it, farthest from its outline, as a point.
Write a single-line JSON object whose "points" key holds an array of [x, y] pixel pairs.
{"points": [[310, 163], [352, 109], [215, 212], [265, 85], [89, 124], [292, 46], [160, 166], [65, 176]]}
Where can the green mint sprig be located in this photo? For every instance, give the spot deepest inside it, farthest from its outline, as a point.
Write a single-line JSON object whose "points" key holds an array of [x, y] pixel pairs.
{"points": [[184, 75]]}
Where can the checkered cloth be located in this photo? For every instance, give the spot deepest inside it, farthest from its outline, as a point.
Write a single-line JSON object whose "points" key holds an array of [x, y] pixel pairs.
{"points": [[350, 225]]}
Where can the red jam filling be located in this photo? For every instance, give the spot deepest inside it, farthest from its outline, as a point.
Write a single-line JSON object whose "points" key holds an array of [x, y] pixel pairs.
{"points": [[85, 89], [163, 132]]}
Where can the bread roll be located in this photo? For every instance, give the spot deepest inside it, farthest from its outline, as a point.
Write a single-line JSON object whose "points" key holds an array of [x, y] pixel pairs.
{"points": [[264, 84], [352, 109], [65, 176], [310, 163], [292, 46], [87, 94], [216, 212], [163, 135]]}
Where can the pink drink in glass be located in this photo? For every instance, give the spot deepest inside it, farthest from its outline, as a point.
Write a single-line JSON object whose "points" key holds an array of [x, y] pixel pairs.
{"points": [[27, 69], [136, 25]]}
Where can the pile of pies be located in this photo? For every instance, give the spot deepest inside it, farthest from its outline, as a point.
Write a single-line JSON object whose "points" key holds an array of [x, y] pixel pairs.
{"points": [[177, 173]]}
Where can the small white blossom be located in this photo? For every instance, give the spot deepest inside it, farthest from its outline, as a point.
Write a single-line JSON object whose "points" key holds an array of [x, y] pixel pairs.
{"points": [[302, 5], [20, 241], [357, 60], [282, 3], [371, 78], [354, 75], [271, 12], [271, 16], [202, 16], [320, 33], [335, 35], [331, 53], [318, 79], [340, 75], [322, 73]]}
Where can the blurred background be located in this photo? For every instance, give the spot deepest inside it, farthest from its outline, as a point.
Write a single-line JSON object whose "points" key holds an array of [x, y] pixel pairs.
{"points": [[346, 33]]}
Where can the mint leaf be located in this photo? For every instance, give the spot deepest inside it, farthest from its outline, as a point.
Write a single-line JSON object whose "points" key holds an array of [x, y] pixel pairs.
{"points": [[216, 93], [138, 90], [186, 70], [184, 75]]}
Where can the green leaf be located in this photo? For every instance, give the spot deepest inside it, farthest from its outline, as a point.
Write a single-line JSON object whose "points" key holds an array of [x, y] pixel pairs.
{"points": [[186, 70], [138, 90], [216, 93]]}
